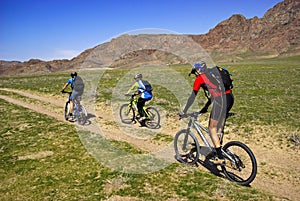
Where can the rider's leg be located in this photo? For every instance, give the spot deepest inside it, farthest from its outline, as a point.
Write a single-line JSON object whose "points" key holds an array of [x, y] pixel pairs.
{"points": [[72, 99], [71, 108], [140, 105], [213, 132], [214, 124], [229, 104], [71, 104]]}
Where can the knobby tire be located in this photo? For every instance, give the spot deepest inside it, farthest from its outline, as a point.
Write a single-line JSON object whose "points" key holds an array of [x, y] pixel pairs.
{"points": [[246, 171], [186, 147]]}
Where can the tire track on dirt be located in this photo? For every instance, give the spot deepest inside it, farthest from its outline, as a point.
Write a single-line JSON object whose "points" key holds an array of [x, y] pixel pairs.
{"points": [[109, 133], [39, 97], [36, 108]]}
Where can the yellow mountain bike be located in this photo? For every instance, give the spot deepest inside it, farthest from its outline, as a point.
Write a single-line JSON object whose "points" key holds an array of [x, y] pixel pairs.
{"points": [[129, 111]]}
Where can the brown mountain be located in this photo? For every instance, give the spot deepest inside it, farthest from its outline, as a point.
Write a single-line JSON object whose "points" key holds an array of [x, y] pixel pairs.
{"points": [[275, 34]]}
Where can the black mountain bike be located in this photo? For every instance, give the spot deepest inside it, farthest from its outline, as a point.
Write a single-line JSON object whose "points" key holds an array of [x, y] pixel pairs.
{"points": [[129, 111], [240, 163], [79, 110]]}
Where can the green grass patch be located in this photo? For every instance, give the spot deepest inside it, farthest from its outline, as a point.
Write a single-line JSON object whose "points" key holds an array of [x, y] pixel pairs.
{"points": [[44, 159]]}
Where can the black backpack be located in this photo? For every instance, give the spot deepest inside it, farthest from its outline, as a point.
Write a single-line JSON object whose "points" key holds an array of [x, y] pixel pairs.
{"points": [[78, 84], [216, 74]]}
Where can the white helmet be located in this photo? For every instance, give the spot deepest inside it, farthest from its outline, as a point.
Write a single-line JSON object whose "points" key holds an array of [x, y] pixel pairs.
{"points": [[139, 75]]}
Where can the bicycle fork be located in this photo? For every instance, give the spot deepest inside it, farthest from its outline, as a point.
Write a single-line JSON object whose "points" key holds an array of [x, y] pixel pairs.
{"points": [[234, 159]]}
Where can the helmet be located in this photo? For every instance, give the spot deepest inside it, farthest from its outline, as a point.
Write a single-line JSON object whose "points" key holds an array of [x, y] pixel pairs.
{"points": [[73, 74], [200, 66], [138, 76]]}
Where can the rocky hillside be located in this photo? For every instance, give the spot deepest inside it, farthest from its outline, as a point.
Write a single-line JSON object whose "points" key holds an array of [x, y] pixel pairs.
{"points": [[275, 34]]}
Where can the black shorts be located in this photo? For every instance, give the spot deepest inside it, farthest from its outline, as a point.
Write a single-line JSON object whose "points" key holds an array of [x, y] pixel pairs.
{"points": [[221, 106], [76, 95]]}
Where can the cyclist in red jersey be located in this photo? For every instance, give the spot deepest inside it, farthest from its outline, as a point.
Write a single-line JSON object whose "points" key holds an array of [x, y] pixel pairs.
{"points": [[222, 103]]}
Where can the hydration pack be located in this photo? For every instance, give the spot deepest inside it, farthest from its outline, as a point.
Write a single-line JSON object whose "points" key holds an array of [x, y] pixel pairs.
{"points": [[147, 86], [78, 84], [216, 75]]}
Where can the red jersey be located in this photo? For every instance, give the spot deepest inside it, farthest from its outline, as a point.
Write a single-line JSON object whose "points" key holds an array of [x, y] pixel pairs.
{"points": [[202, 80]]}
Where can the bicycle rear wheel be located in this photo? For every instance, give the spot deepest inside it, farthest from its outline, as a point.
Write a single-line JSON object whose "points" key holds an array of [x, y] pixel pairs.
{"points": [[127, 114], [67, 110], [242, 168], [186, 147], [81, 115], [153, 117]]}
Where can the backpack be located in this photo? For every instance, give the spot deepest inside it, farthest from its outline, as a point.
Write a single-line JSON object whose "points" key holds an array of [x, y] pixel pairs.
{"points": [[217, 74], [78, 84], [148, 86]]}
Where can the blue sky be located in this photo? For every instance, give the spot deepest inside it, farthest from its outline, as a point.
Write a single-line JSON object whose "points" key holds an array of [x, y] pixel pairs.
{"points": [[57, 29]]}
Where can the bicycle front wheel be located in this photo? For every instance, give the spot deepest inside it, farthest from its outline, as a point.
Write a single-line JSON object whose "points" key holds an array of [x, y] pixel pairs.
{"points": [[67, 110], [153, 117], [241, 165], [81, 115], [127, 114], [186, 147]]}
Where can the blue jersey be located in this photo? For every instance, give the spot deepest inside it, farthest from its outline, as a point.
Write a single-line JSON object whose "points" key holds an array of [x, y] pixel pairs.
{"points": [[143, 85], [71, 82]]}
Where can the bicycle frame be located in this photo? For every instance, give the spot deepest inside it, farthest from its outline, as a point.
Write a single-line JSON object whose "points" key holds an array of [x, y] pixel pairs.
{"points": [[133, 104], [193, 123]]}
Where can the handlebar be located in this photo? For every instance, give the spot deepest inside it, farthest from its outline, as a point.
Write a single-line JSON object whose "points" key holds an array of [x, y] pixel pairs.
{"points": [[131, 95], [66, 92], [194, 115]]}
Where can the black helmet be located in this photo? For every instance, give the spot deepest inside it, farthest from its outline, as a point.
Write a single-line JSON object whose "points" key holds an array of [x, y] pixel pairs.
{"points": [[73, 74]]}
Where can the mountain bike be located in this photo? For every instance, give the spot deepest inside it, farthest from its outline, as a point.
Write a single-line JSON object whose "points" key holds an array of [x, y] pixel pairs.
{"points": [[240, 163], [129, 111], [79, 111]]}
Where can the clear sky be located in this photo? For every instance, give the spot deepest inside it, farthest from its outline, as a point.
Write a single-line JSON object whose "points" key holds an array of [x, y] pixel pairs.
{"points": [[57, 29]]}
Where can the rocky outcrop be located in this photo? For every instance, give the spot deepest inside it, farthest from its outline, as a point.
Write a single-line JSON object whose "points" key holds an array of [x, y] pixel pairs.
{"points": [[276, 33]]}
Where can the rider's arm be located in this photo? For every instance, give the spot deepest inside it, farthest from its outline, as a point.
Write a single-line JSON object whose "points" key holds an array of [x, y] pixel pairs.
{"points": [[70, 81], [197, 84], [190, 101], [133, 88], [65, 86]]}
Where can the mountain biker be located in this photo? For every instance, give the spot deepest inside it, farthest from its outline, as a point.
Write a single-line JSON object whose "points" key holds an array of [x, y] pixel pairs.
{"points": [[222, 103], [143, 88], [77, 86]]}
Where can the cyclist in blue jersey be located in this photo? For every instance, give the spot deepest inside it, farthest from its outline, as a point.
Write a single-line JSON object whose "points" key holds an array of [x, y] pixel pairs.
{"points": [[77, 86], [144, 89]]}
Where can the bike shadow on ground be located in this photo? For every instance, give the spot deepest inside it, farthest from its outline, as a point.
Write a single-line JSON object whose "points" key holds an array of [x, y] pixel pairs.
{"points": [[88, 119], [210, 167], [204, 151]]}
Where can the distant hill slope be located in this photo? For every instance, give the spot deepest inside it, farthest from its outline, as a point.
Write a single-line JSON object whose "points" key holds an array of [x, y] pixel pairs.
{"points": [[275, 34]]}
